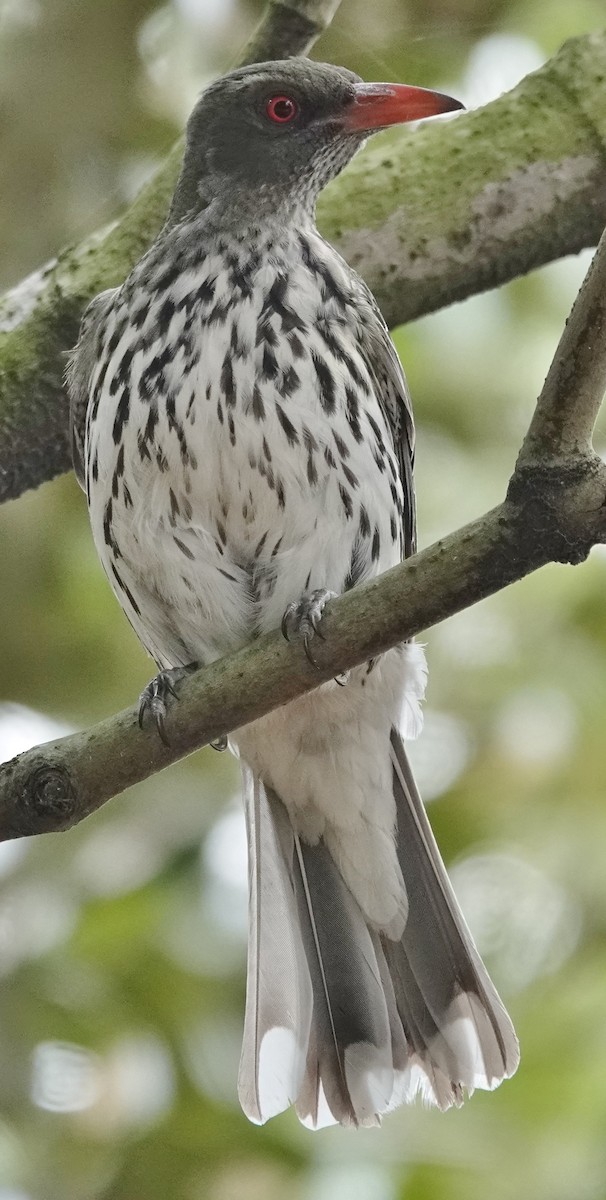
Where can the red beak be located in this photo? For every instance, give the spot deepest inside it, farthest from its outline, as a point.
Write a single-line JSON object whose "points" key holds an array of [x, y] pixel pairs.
{"points": [[377, 105]]}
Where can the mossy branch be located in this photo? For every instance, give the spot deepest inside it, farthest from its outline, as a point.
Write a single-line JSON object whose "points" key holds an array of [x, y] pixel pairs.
{"points": [[555, 510], [427, 217]]}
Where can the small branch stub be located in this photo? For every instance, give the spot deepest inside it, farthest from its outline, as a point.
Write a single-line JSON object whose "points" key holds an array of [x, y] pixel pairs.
{"points": [[40, 797], [50, 796]]}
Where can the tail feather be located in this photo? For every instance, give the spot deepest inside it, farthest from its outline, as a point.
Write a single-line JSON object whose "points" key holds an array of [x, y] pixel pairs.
{"points": [[437, 950], [352, 1053], [279, 997], [341, 1020], [433, 1078]]}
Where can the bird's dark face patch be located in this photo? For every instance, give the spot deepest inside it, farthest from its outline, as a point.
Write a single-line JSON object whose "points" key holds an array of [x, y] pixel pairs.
{"points": [[273, 125], [275, 100]]}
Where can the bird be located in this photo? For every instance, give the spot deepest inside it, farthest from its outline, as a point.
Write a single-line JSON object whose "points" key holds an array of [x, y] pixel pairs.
{"points": [[243, 430]]}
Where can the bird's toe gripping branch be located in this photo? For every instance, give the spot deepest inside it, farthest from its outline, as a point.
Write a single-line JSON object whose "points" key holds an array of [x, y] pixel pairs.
{"points": [[302, 619], [154, 699]]}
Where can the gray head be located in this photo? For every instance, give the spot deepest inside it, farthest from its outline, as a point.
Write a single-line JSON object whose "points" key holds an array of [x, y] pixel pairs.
{"points": [[273, 134]]}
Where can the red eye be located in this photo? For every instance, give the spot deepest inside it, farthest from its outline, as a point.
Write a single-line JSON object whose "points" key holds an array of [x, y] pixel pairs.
{"points": [[281, 109]]}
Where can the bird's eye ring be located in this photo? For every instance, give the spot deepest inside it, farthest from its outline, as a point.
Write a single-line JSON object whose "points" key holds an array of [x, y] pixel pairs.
{"points": [[281, 109]]}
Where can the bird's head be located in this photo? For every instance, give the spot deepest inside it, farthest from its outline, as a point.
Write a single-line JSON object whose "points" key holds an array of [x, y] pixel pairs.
{"points": [[279, 131]]}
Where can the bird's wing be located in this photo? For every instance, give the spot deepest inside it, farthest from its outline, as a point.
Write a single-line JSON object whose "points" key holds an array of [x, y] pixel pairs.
{"points": [[79, 372], [392, 392]]}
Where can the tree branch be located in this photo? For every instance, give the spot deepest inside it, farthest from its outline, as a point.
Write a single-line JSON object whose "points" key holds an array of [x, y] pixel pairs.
{"points": [[555, 510], [427, 217], [560, 430], [462, 205], [289, 29]]}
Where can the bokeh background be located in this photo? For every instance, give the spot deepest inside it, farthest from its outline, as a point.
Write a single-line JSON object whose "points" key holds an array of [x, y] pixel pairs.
{"points": [[122, 943]]}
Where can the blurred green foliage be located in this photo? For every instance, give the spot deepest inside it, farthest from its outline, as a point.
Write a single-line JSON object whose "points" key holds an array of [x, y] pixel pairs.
{"points": [[122, 943]]}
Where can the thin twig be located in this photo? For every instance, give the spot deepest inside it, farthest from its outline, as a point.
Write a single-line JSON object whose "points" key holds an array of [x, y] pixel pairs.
{"points": [[567, 409]]}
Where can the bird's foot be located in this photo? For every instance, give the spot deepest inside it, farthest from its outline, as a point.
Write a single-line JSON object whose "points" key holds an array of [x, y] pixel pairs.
{"points": [[154, 698], [220, 743], [302, 618]]}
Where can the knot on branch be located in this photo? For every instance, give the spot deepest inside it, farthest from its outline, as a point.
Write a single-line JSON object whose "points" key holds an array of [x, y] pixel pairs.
{"points": [[36, 796], [559, 507], [49, 799]]}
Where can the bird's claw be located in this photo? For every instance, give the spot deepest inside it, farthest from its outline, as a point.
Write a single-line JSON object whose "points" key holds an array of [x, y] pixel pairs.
{"points": [[302, 619], [343, 678], [154, 698], [219, 743]]}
